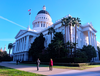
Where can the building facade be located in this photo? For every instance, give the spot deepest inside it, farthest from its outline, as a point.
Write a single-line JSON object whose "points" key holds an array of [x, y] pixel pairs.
{"points": [[86, 35]]}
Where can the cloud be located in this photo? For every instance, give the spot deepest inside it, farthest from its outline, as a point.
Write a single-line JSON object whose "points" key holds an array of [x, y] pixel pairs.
{"points": [[12, 22], [7, 39]]}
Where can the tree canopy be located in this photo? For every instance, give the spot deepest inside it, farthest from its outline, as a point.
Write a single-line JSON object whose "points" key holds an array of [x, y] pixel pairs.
{"points": [[37, 46], [55, 48], [10, 45], [90, 51]]}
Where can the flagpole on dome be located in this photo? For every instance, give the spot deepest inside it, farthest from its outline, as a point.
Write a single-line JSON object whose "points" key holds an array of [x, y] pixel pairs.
{"points": [[29, 16]]}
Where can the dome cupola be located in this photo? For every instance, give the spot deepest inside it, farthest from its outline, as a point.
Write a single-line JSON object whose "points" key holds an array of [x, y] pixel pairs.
{"points": [[43, 11]]}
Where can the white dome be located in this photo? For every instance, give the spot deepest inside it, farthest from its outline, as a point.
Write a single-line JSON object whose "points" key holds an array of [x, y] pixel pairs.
{"points": [[42, 20]]}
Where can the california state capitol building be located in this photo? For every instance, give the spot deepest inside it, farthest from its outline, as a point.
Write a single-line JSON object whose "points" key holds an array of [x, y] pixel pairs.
{"points": [[86, 35]]}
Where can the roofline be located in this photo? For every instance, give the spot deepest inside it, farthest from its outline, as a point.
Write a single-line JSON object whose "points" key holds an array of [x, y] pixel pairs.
{"points": [[26, 32]]}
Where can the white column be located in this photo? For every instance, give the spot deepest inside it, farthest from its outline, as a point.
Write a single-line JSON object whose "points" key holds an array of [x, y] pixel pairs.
{"points": [[68, 34], [82, 39], [27, 43], [93, 41], [15, 46], [89, 37], [18, 46], [21, 44], [24, 44], [45, 25], [38, 24]]}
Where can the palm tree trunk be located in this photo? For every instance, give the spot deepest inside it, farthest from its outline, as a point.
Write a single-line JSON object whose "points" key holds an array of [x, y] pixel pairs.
{"points": [[75, 35]]}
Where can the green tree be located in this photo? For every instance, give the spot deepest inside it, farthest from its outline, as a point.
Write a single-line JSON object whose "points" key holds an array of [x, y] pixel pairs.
{"points": [[98, 51], [58, 45], [50, 31], [4, 56], [37, 47], [90, 51], [69, 46], [10, 45], [55, 48], [80, 56]]}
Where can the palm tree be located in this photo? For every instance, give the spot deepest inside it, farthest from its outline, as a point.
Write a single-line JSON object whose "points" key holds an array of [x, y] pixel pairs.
{"points": [[50, 31], [76, 23], [10, 45], [70, 21], [64, 22]]}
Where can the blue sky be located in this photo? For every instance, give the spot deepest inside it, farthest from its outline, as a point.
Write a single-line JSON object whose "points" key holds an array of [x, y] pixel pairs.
{"points": [[17, 11]]}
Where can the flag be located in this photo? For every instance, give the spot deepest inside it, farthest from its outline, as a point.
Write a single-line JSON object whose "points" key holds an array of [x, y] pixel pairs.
{"points": [[30, 13], [29, 10]]}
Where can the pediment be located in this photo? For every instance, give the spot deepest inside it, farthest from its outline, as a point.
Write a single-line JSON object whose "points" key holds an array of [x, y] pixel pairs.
{"points": [[21, 32]]}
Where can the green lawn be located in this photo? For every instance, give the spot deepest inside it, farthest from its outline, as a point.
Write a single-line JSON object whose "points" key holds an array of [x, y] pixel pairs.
{"points": [[4, 71], [65, 67]]}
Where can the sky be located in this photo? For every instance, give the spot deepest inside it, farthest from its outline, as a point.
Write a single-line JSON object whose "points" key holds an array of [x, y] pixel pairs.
{"points": [[14, 15]]}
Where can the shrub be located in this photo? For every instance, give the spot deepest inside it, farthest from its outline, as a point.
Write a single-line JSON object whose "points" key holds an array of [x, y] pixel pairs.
{"points": [[80, 60]]}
